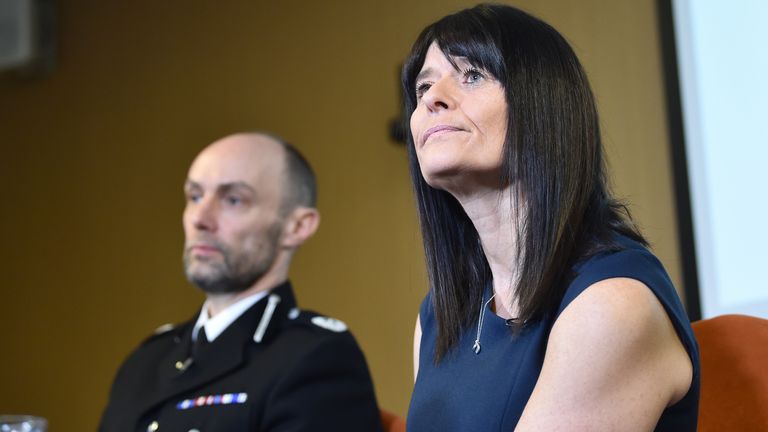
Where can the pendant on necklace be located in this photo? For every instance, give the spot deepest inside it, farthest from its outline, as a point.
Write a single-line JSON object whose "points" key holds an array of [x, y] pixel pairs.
{"points": [[476, 347]]}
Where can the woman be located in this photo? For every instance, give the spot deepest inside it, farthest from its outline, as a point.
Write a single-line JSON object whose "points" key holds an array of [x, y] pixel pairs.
{"points": [[545, 310]]}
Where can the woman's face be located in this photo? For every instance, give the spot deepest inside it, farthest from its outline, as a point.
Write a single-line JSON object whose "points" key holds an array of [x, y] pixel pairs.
{"points": [[459, 124]]}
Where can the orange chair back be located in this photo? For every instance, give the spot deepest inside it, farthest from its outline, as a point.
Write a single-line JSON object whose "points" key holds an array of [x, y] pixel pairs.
{"points": [[734, 373], [391, 422]]}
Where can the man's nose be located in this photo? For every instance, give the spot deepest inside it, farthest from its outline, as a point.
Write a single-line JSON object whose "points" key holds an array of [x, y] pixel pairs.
{"points": [[205, 215]]}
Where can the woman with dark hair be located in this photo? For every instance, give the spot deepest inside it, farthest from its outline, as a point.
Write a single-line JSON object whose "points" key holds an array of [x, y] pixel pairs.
{"points": [[546, 311]]}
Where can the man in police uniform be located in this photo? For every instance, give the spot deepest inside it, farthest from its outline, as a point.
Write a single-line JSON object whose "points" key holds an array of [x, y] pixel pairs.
{"points": [[250, 360]]}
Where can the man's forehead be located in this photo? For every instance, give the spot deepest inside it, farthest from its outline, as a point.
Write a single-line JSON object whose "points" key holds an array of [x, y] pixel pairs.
{"points": [[191, 183], [239, 159]]}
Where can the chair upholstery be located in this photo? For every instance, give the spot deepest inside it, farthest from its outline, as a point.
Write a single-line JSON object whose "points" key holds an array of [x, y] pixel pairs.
{"points": [[391, 422], [734, 373]]}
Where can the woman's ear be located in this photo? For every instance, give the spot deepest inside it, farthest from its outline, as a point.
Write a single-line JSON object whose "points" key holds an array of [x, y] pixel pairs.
{"points": [[301, 224]]}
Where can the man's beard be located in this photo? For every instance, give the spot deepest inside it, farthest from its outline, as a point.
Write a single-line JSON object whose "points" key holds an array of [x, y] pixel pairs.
{"points": [[236, 272]]}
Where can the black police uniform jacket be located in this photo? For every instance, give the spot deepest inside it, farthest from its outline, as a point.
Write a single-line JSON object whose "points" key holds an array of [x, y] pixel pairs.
{"points": [[273, 369]]}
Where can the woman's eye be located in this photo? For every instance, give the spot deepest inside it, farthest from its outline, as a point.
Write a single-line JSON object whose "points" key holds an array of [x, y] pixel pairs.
{"points": [[422, 88], [472, 76]]}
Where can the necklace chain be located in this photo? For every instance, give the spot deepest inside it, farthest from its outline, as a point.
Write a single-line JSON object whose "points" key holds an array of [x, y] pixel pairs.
{"points": [[480, 319]]}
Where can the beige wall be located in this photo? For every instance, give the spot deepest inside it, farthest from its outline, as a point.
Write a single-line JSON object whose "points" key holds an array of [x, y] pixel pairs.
{"points": [[94, 156]]}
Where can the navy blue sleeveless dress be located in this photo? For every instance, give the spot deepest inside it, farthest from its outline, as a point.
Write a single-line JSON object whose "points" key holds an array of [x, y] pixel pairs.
{"points": [[467, 392]]}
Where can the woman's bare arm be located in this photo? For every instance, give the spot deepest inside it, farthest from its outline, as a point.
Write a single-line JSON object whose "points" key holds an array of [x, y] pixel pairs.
{"points": [[613, 362]]}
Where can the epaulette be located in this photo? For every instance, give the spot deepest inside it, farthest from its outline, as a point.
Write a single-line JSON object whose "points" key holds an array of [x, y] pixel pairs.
{"points": [[165, 329], [313, 319]]}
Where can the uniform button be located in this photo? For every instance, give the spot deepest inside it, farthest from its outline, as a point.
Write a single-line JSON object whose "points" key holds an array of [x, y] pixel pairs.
{"points": [[181, 366], [153, 426], [194, 430]]}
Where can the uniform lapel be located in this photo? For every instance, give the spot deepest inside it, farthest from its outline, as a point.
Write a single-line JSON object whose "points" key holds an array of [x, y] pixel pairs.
{"points": [[221, 356]]}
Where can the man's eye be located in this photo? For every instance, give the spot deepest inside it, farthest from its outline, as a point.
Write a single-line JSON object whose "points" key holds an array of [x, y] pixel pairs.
{"points": [[193, 197], [233, 200]]}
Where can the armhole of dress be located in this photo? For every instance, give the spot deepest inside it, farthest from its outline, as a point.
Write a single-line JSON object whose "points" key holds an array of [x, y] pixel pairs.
{"points": [[655, 278]]}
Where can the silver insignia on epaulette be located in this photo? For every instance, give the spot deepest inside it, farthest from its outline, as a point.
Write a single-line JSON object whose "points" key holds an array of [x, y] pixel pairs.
{"points": [[164, 328], [329, 323]]}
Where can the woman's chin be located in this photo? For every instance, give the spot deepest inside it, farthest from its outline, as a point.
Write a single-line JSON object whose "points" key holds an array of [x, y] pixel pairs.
{"points": [[440, 176], [461, 181]]}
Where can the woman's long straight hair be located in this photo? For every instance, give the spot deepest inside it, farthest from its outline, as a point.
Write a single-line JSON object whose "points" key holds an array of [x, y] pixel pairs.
{"points": [[552, 156]]}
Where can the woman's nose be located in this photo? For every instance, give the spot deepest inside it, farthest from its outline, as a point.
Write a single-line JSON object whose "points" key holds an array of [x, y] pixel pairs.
{"points": [[440, 96]]}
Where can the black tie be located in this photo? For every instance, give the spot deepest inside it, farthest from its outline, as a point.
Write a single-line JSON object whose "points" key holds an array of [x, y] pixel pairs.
{"points": [[200, 343]]}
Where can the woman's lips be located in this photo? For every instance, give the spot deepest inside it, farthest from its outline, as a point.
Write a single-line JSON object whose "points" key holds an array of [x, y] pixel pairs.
{"points": [[437, 131]]}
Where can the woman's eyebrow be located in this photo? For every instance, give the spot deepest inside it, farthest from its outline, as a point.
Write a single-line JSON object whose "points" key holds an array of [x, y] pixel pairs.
{"points": [[424, 73]]}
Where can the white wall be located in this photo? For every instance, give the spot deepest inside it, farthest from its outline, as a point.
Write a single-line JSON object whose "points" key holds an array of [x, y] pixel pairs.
{"points": [[723, 63]]}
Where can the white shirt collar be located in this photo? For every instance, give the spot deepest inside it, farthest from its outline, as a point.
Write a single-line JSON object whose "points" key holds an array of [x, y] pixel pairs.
{"points": [[216, 325]]}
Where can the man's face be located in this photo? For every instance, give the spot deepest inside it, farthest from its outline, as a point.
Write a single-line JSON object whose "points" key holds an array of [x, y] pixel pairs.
{"points": [[232, 218]]}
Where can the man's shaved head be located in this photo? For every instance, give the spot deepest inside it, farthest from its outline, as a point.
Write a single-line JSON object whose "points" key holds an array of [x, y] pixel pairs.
{"points": [[301, 187], [240, 192], [298, 180]]}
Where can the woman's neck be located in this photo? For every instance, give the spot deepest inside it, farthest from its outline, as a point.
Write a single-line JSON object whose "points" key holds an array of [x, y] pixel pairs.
{"points": [[495, 215]]}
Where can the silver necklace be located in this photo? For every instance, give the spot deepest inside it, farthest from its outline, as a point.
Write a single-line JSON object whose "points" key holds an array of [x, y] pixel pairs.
{"points": [[480, 319]]}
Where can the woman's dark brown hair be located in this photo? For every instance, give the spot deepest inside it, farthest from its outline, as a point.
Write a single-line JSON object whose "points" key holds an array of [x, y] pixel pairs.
{"points": [[552, 155]]}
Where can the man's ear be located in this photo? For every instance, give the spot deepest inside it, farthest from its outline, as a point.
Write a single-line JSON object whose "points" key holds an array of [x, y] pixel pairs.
{"points": [[300, 225]]}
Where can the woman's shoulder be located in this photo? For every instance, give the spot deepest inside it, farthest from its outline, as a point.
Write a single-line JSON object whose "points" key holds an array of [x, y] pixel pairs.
{"points": [[626, 259], [610, 344], [628, 272], [620, 331], [625, 255], [623, 286], [625, 281]]}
